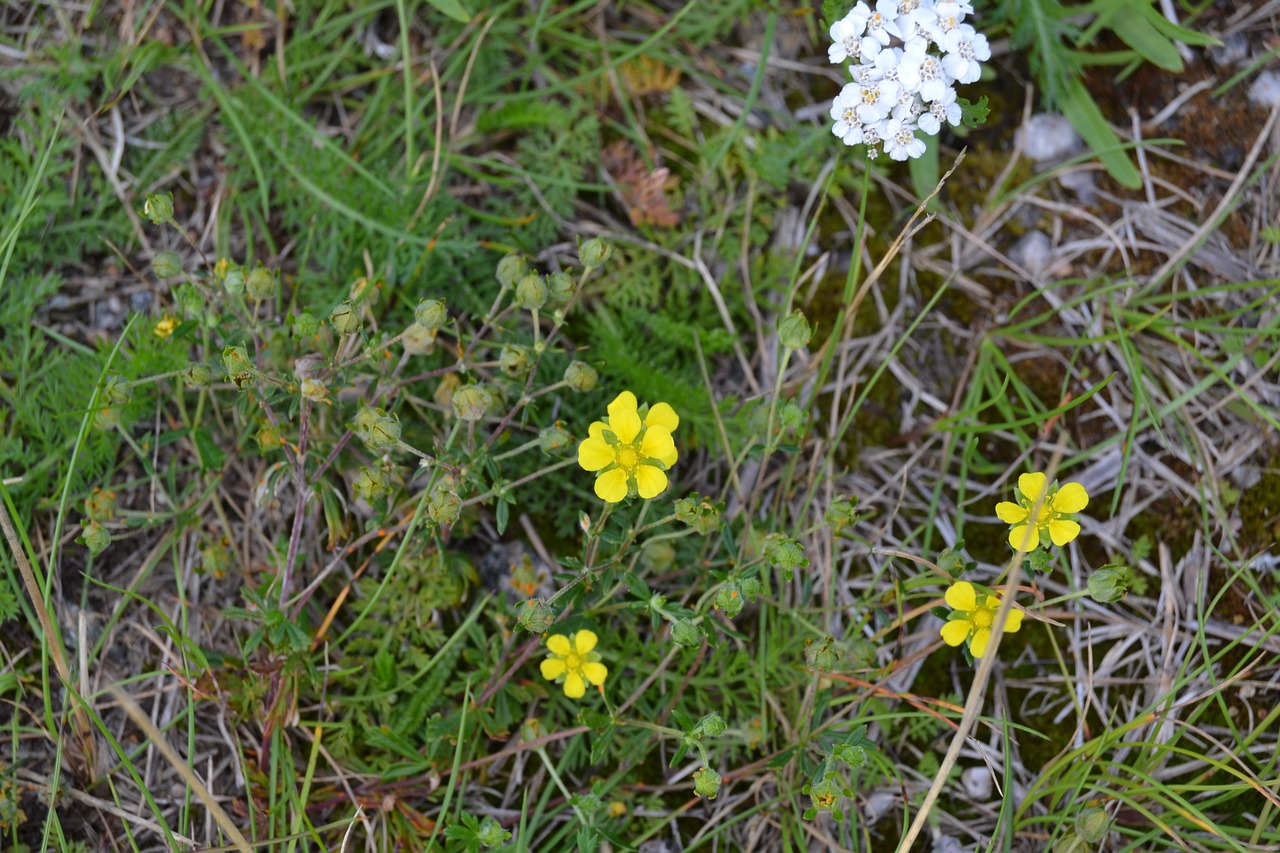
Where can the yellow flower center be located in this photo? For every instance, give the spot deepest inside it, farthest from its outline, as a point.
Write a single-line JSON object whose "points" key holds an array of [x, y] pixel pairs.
{"points": [[628, 458], [983, 618], [573, 660]]}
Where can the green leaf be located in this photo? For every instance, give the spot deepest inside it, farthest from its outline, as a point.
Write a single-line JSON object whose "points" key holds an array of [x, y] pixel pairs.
{"points": [[211, 455], [1079, 108], [924, 174], [453, 9], [974, 114], [1135, 30]]}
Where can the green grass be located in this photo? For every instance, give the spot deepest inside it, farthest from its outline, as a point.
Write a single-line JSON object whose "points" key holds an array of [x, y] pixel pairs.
{"points": [[301, 617]]}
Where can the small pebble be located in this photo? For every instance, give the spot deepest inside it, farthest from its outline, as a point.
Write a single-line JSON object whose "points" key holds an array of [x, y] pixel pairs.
{"points": [[1233, 51], [1033, 252], [1265, 90], [1047, 137], [141, 301], [947, 844], [977, 783]]}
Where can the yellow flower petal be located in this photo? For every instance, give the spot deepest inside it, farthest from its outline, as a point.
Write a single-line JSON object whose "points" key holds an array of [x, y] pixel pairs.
{"points": [[1070, 498], [584, 641], [624, 402], [956, 631], [574, 686], [961, 596], [1032, 485], [625, 424], [553, 668], [1013, 622], [595, 672], [1011, 513], [597, 428], [1024, 537], [1062, 531], [650, 481], [657, 444], [977, 646], [594, 453], [664, 416], [611, 486], [558, 644]]}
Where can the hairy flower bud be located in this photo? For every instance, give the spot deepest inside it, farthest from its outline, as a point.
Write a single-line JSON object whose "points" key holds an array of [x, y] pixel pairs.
{"points": [[1092, 824], [554, 438], [443, 506], [706, 782], [431, 314], [315, 391], [822, 657], [378, 430], [842, 513], [419, 340], [784, 553], [1108, 584], [699, 513], [100, 505], [594, 252], [580, 376], [158, 208], [794, 331], [514, 360], [470, 402], [511, 269], [712, 725], [536, 616], [560, 288], [345, 318], [531, 292], [239, 368], [261, 284], [166, 264], [371, 483], [95, 537], [305, 325], [685, 633]]}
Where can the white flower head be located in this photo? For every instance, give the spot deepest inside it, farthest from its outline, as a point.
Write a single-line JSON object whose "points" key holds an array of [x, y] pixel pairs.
{"points": [[944, 109], [900, 140], [965, 48], [846, 34], [844, 112], [921, 71], [882, 23], [947, 16], [877, 100]]}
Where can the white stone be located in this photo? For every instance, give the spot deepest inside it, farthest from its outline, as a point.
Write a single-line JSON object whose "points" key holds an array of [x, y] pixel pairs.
{"points": [[1033, 252], [1048, 136], [1265, 90], [977, 783]]}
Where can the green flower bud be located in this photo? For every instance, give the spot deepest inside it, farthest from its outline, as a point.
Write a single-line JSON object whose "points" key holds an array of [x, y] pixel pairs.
{"points": [[95, 537], [531, 292], [560, 287], [261, 284], [554, 439], [794, 331], [657, 556], [444, 506], [166, 264], [158, 208], [842, 513], [431, 314], [305, 325], [378, 430], [491, 834], [712, 725], [189, 303], [784, 553], [729, 598], [822, 657], [371, 483], [594, 252], [1093, 824], [1108, 584], [706, 782], [699, 513], [514, 360], [791, 417], [685, 633], [269, 437], [100, 505], [107, 417], [314, 390], [536, 616], [345, 318], [511, 269], [824, 793], [419, 340], [115, 390], [1072, 843], [239, 368], [849, 755], [233, 284], [470, 402], [580, 376]]}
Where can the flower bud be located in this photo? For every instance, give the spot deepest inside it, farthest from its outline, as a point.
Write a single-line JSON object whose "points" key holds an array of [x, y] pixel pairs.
{"points": [[377, 429], [822, 657], [1093, 824], [261, 284], [594, 252], [554, 438], [560, 288], [345, 318], [657, 556], [419, 340], [849, 754], [371, 483], [116, 391], [514, 360], [706, 782], [580, 376], [166, 264], [511, 269], [685, 633], [784, 553], [164, 327], [699, 513], [536, 616], [491, 834], [842, 513], [729, 598], [443, 395], [1072, 843], [305, 325], [107, 417], [239, 368], [95, 537], [712, 725], [269, 437], [444, 506], [233, 284], [531, 292], [197, 375], [158, 208], [314, 390], [431, 314], [1108, 584], [100, 505], [470, 402], [794, 331]]}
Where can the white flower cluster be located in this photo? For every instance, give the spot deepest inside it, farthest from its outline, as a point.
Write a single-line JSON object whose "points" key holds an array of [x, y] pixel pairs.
{"points": [[899, 87]]}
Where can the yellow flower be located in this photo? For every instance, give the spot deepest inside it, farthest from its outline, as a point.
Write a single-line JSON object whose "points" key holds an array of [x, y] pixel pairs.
{"points": [[164, 328], [574, 662], [1054, 521], [972, 619], [630, 453]]}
